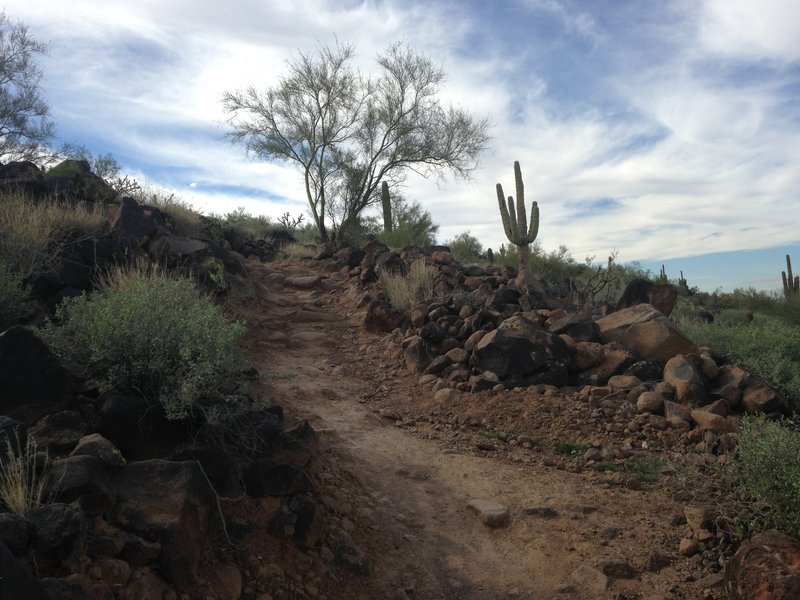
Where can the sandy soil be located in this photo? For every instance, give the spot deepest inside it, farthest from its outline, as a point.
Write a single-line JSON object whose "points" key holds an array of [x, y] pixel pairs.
{"points": [[396, 470]]}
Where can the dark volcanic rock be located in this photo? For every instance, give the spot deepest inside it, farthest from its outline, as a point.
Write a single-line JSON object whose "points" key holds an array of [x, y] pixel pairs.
{"points": [[32, 381], [766, 567]]}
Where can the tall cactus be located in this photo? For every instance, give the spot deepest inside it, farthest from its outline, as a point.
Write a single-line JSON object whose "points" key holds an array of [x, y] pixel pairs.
{"points": [[387, 208], [515, 223], [791, 285]]}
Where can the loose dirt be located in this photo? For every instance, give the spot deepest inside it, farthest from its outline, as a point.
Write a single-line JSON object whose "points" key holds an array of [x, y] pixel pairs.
{"points": [[395, 472]]}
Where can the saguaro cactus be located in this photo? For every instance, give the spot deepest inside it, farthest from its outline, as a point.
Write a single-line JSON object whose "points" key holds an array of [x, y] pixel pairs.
{"points": [[387, 208], [791, 285], [515, 222]]}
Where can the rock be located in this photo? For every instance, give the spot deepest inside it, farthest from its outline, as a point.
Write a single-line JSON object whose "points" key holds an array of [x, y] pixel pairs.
{"points": [[32, 381], [138, 428], [382, 317], [663, 297], [267, 477], [650, 402], [760, 397], [618, 568], [58, 528], [493, 514], [13, 433], [688, 547], [102, 449], [171, 502], [687, 381], [297, 446], [304, 282], [228, 581], [615, 359], [646, 370], [15, 581], [729, 383], [519, 349], [131, 223], [417, 354], [657, 560], [446, 395], [587, 355], [697, 517], [458, 355], [543, 512], [81, 478], [712, 422], [590, 579], [16, 533], [647, 332], [60, 431], [437, 365], [766, 567]]}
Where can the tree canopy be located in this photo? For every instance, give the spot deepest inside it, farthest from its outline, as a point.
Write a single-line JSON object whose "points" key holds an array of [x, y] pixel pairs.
{"points": [[348, 132], [25, 125]]}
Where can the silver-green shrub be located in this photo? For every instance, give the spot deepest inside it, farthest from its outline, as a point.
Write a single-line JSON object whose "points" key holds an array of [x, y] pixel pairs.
{"points": [[147, 332]]}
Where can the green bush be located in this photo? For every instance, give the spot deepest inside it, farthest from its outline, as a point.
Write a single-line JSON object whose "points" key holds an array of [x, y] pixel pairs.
{"points": [[769, 468], [147, 332], [465, 248]]}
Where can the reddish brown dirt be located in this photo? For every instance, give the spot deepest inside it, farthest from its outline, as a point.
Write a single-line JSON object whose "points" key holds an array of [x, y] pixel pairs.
{"points": [[395, 471]]}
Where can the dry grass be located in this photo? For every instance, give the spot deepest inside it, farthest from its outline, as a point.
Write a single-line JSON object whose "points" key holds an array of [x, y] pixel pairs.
{"points": [[21, 486], [406, 291], [32, 234], [298, 250]]}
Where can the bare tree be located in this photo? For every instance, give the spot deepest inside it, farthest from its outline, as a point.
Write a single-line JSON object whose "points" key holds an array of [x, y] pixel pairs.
{"points": [[348, 132], [25, 126]]}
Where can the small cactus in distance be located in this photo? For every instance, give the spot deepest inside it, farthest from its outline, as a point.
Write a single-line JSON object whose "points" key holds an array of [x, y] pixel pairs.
{"points": [[387, 208], [791, 284], [515, 222]]}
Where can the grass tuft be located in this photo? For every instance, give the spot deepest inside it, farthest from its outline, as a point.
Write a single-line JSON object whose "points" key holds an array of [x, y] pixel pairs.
{"points": [[406, 291], [21, 486]]}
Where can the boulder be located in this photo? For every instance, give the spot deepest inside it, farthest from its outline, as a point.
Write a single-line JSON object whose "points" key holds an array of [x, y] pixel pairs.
{"points": [[417, 354], [22, 176], [663, 297], [760, 397], [647, 332], [81, 478], [16, 533], [688, 382], [102, 449], [73, 180], [60, 431], [519, 349], [766, 567], [171, 503], [32, 381], [59, 530], [131, 223], [616, 359]]}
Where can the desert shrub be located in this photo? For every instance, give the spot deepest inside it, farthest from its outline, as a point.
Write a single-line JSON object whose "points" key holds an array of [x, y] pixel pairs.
{"points": [[769, 468], [21, 486], [148, 332], [465, 248], [407, 290], [33, 233], [13, 296], [767, 346]]}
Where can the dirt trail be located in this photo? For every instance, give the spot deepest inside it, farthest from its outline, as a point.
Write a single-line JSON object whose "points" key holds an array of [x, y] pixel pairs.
{"points": [[397, 483]]}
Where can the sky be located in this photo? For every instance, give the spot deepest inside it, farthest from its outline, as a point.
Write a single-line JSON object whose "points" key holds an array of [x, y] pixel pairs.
{"points": [[665, 130]]}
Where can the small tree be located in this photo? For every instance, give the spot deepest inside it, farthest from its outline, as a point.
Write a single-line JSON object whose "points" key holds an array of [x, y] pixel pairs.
{"points": [[347, 133], [25, 126]]}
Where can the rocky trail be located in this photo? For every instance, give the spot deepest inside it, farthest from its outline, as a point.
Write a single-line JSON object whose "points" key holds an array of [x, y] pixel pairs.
{"points": [[467, 497]]}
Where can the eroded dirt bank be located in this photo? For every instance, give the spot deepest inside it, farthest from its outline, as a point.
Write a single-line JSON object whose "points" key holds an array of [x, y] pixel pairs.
{"points": [[396, 471]]}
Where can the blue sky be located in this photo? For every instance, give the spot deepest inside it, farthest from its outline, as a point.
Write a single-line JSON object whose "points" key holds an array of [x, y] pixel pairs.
{"points": [[667, 130]]}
